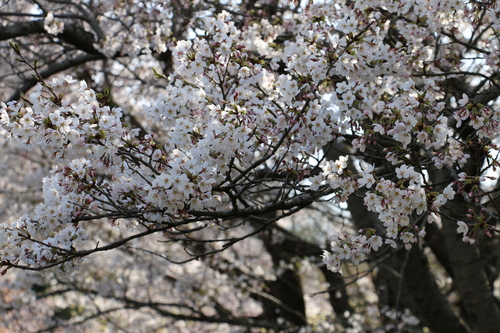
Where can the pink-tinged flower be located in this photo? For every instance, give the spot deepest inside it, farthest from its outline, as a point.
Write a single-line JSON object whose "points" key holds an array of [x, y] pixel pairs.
{"points": [[346, 25], [375, 242], [448, 192], [408, 237], [357, 257], [52, 25], [462, 228], [464, 100], [477, 122], [391, 243]]}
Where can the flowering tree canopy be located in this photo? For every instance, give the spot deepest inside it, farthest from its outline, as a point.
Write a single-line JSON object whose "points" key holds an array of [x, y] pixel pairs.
{"points": [[212, 165]]}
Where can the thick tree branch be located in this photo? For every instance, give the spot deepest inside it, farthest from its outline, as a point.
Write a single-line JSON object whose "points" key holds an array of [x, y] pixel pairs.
{"points": [[54, 69], [73, 34]]}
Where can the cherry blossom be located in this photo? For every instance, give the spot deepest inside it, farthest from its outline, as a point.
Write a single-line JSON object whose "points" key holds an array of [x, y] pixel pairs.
{"points": [[195, 132]]}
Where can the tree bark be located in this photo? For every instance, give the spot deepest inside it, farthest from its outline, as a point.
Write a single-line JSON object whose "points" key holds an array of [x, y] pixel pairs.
{"points": [[481, 307]]}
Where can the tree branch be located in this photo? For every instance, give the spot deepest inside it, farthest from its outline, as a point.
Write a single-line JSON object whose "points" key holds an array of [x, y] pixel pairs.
{"points": [[72, 34], [54, 69]]}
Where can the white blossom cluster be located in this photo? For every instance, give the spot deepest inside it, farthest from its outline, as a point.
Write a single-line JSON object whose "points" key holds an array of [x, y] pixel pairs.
{"points": [[228, 113]]}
